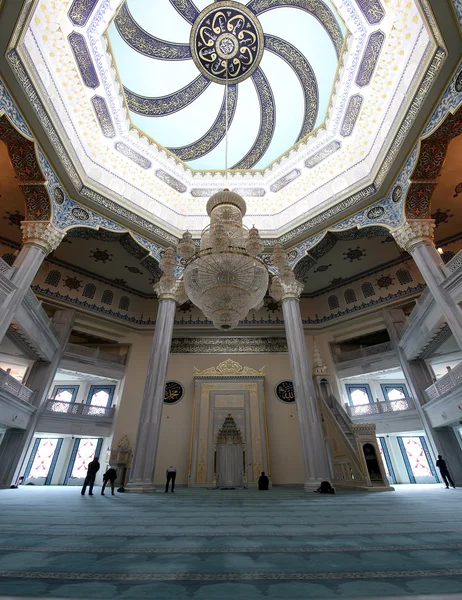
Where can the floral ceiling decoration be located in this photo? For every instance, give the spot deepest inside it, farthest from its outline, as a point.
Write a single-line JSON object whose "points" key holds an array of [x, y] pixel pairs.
{"points": [[322, 94]]}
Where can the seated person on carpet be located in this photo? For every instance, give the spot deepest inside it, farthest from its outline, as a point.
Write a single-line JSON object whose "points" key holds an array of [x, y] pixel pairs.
{"points": [[263, 481], [325, 488], [110, 475]]}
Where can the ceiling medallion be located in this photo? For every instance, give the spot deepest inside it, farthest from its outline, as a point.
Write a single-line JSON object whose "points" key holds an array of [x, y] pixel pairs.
{"points": [[227, 33]]}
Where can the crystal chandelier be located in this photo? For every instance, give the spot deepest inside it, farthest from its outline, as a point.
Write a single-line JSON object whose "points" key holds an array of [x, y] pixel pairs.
{"points": [[225, 278]]}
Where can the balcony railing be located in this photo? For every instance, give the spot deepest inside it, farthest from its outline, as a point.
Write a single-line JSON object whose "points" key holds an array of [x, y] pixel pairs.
{"points": [[363, 352], [12, 385], [446, 383], [455, 263], [379, 408], [81, 410], [95, 353]]}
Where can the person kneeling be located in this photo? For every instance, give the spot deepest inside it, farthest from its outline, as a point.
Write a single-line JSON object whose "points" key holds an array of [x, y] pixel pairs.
{"points": [[325, 488]]}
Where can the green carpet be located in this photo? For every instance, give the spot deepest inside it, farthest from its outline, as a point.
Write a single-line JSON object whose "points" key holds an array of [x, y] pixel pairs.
{"points": [[240, 544]]}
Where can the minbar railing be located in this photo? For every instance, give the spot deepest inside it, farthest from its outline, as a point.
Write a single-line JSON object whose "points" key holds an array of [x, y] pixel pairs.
{"points": [[446, 383], [363, 352], [95, 353], [12, 385], [58, 407], [379, 408], [455, 263]]}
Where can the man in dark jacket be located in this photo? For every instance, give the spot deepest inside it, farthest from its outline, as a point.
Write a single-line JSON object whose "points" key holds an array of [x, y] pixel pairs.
{"points": [[441, 464], [110, 475], [263, 481], [93, 468]]}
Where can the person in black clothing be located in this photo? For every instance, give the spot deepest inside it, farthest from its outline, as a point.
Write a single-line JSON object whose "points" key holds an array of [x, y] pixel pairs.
{"points": [[441, 464], [93, 468], [263, 481], [171, 476], [325, 488], [110, 475]]}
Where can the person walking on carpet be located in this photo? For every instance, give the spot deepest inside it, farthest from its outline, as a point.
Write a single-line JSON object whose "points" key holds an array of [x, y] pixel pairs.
{"points": [[93, 468], [171, 476], [441, 464], [110, 475]]}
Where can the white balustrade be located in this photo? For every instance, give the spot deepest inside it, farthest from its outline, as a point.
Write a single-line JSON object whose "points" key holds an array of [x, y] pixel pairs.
{"points": [[78, 409], [378, 408], [455, 263], [364, 352], [12, 385], [446, 383]]}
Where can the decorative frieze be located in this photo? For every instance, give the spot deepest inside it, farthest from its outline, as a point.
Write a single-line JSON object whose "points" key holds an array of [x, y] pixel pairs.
{"points": [[226, 345]]}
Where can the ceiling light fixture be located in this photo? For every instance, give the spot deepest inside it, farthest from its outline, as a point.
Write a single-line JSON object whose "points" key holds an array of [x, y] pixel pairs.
{"points": [[225, 278]]}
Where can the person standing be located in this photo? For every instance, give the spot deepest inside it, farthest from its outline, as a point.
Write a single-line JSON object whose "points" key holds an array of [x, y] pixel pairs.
{"points": [[263, 481], [441, 464], [110, 475], [171, 476], [92, 469]]}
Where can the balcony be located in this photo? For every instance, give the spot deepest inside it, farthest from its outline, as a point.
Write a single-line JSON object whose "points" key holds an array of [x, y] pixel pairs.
{"points": [[16, 406], [444, 399], [76, 418], [378, 357], [380, 408], [93, 361], [389, 416]]}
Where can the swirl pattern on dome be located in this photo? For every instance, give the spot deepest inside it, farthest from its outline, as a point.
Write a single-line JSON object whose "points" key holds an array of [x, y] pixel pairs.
{"points": [[279, 57]]}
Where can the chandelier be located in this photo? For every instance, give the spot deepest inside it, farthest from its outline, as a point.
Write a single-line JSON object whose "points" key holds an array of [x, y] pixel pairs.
{"points": [[225, 278]]}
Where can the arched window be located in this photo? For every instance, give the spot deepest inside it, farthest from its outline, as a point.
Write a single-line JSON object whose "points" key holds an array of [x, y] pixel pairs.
{"points": [[89, 291], [332, 301], [107, 297], [9, 258], [403, 276], [53, 278], [350, 296], [124, 303], [367, 289]]}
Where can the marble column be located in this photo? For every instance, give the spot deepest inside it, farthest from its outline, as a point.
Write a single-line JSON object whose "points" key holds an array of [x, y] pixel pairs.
{"points": [[16, 442], [416, 237], [285, 288], [39, 239], [442, 440], [143, 467]]}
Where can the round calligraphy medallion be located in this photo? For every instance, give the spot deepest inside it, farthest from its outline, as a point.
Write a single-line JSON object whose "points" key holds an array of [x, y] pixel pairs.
{"points": [[285, 391], [174, 392], [227, 34]]}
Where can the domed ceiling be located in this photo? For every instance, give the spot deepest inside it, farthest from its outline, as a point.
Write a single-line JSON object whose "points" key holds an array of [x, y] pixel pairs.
{"points": [[321, 96], [172, 61]]}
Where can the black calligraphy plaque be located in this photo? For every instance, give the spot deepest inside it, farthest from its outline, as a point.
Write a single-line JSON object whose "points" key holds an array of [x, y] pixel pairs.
{"points": [[173, 392], [285, 391]]}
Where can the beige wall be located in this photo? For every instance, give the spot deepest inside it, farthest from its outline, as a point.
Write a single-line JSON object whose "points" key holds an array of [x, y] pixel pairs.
{"points": [[175, 439]]}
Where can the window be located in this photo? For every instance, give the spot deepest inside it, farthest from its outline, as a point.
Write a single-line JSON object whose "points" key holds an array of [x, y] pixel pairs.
{"points": [[350, 296], [84, 451], [89, 291], [332, 301], [403, 276], [367, 289], [100, 395], [390, 472], [53, 278], [43, 459], [64, 395], [107, 297], [358, 394], [124, 303], [394, 392], [9, 258], [417, 460]]}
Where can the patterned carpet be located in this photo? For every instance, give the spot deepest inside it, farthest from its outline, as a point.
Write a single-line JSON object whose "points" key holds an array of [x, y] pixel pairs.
{"points": [[244, 544]]}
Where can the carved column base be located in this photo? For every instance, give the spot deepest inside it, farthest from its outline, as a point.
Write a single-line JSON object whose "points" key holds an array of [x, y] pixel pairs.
{"points": [[140, 488]]}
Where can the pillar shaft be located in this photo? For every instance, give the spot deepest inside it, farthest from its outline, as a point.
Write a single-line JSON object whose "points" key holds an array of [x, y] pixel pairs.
{"points": [[147, 440], [432, 269], [441, 440], [26, 264], [314, 453], [15, 445]]}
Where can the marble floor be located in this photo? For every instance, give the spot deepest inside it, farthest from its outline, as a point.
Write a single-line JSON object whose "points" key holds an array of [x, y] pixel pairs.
{"points": [[244, 544]]}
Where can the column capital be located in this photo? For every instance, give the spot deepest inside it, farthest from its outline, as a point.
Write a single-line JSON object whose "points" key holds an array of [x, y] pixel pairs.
{"points": [[286, 288], [43, 234], [414, 231]]}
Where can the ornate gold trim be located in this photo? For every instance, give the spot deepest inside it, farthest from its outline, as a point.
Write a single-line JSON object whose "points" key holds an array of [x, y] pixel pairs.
{"points": [[229, 368]]}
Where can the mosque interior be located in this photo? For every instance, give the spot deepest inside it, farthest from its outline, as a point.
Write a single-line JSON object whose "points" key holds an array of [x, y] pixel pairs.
{"points": [[231, 244]]}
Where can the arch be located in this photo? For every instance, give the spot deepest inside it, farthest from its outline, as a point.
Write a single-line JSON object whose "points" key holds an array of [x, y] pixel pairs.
{"points": [[367, 289], [89, 291], [107, 297], [403, 276], [124, 303], [53, 278], [350, 296], [333, 303], [25, 164]]}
